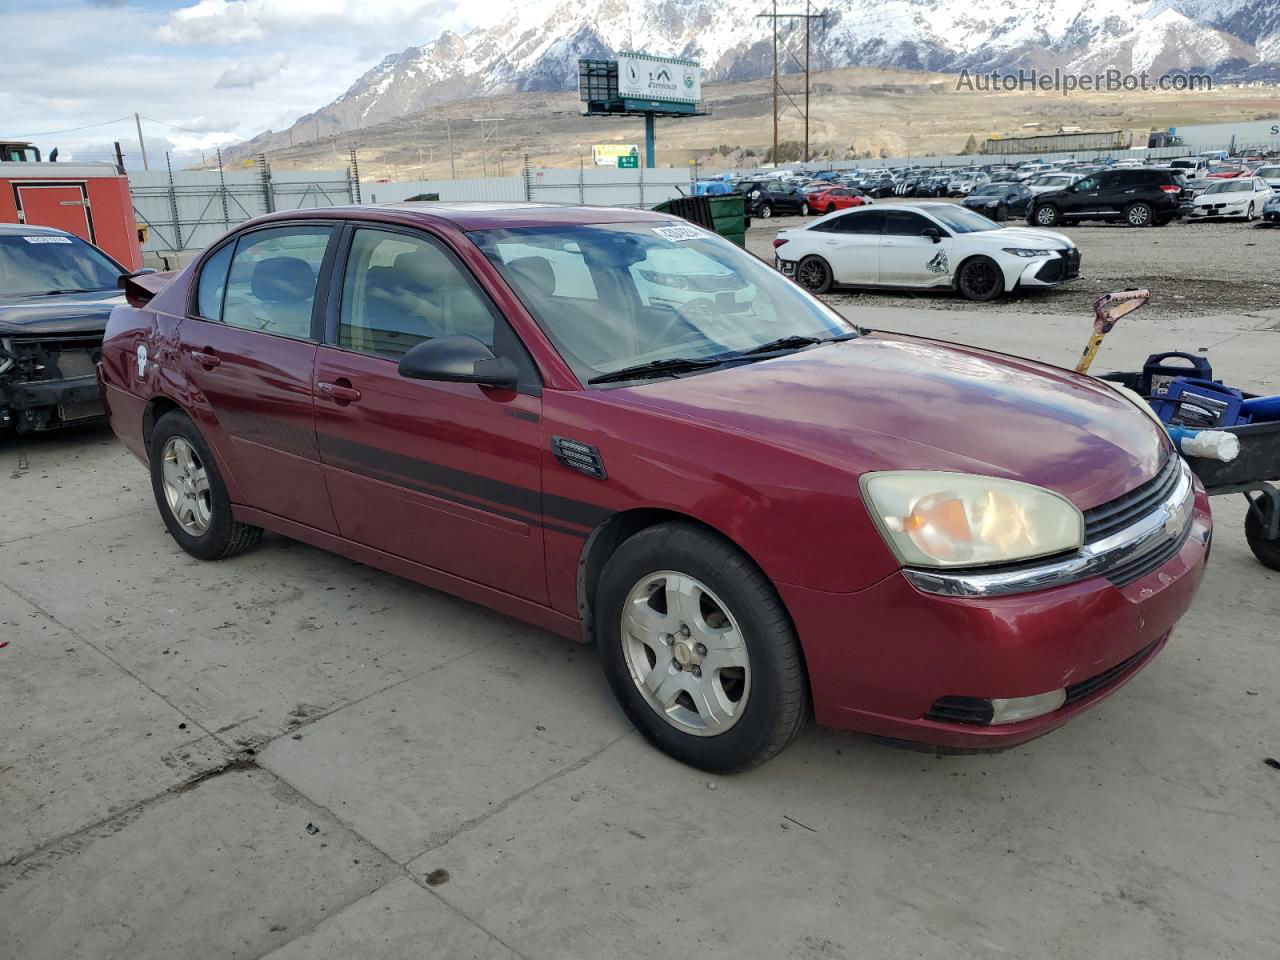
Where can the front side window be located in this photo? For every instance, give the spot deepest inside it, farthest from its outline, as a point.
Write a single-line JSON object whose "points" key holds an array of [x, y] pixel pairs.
{"points": [[40, 264], [658, 291], [271, 286], [904, 223], [399, 290], [1088, 184]]}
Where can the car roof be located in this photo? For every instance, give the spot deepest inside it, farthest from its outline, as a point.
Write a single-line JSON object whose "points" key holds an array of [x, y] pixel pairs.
{"points": [[25, 230], [480, 215]]}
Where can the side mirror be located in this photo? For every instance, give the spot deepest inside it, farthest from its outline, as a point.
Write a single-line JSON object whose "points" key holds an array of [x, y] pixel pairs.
{"points": [[457, 358], [933, 233]]}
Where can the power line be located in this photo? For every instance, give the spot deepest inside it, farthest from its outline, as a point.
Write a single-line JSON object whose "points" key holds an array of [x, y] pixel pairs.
{"points": [[88, 126]]}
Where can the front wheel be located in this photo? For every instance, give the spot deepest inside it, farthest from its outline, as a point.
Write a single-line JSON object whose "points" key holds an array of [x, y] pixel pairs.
{"points": [[1046, 216], [1138, 215], [1002, 213], [190, 493], [766, 211], [804, 209], [1253, 213], [980, 279], [814, 274], [698, 649]]}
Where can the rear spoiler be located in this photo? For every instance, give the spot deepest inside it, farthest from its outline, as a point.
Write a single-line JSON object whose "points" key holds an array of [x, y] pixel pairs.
{"points": [[140, 287]]}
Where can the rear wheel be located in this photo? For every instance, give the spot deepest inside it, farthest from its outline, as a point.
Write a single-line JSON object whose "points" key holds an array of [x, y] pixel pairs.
{"points": [[814, 274], [1138, 215], [1046, 216], [190, 493], [980, 279], [1002, 213], [804, 209], [699, 650]]}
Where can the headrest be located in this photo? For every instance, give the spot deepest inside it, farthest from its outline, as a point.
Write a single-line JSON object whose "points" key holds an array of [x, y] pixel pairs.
{"points": [[535, 273], [283, 279], [426, 269]]}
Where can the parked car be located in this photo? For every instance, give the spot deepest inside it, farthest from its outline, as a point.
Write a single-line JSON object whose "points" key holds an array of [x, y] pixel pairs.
{"points": [[999, 201], [740, 503], [1270, 172], [1049, 182], [1244, 198], [879, 187], [1227, 171], [1191, 167], [836, 198], [965, 183], [1271, 212], [1139, 198], [938, 245], [56, 291], [778, 198]]}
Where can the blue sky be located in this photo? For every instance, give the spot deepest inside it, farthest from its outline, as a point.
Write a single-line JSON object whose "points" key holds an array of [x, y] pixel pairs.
{"points": [[205, 72]]}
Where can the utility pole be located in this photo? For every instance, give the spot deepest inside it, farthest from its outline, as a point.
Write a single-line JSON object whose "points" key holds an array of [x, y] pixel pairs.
{"points": [[142, 147], [808, 17], [448, 129]]}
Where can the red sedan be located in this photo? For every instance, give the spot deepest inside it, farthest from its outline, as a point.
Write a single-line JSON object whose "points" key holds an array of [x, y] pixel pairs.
{"points": [[1226, 171], [835, 198], [624, 429]]}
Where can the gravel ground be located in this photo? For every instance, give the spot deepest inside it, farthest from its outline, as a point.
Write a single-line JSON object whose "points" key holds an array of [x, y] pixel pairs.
{"points": [[1190, 268]]}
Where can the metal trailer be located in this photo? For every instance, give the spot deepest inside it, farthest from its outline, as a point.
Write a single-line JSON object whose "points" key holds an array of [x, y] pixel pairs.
{"points": [[1057, 143]]}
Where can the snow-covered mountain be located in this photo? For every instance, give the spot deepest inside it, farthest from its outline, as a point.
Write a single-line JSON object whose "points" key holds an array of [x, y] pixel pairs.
{"points": [[537, 47]]}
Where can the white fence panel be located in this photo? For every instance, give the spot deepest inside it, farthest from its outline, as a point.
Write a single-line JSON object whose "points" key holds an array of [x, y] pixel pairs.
{"points": [[498, 189]]}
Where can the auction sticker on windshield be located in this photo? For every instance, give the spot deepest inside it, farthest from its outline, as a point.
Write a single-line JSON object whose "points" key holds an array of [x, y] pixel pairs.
{"points": [[47, 239], [679, 233]]}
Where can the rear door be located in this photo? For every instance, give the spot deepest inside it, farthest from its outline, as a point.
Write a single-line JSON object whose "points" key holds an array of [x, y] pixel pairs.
{"points": [[61, 205], [248, 346], [850, 243], [446, 475], [907, 257]]}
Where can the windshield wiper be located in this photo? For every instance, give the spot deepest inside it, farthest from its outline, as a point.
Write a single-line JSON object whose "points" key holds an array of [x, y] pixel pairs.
{"points": [[657, 368], [54, 293], [794, 343]]}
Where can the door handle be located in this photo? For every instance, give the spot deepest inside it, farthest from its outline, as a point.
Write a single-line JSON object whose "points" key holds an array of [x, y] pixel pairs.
{"points": [[340, 393], [888, 243], [206, 358]]}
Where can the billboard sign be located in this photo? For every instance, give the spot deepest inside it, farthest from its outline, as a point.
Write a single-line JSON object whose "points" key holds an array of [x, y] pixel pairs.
{"points": [[613, 154], [643, 77]]}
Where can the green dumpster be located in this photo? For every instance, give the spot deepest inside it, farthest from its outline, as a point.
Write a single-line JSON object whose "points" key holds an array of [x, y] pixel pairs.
{"points": [[726, 215]]}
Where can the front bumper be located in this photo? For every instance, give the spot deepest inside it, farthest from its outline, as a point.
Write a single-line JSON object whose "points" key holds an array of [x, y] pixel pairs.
{"points": [[1063, 266], [47, 404], [880, 660], [1219, 211]]}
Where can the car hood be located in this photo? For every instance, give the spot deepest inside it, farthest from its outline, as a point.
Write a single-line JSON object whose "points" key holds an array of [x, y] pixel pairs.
{"points": [[1205, 199], [1008, 236], [59, 313], [889, 402]]}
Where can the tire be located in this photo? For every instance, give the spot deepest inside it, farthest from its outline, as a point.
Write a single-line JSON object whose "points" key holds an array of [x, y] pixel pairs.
{"points": [[1255, 533], [814, 274], [766, 211], [804, 209], [1252, 215], [1138, 215], [1046, 215], [1002, 213], [199, 517], [736, 607], [980, 279]]}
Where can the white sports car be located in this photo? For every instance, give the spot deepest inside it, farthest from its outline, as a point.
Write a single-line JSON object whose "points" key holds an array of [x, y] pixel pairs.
{"points": [[924, 245], [1241, 197]]}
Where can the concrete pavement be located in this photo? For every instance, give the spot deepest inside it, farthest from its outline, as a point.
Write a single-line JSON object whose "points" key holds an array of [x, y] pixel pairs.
{"points": [[282, 754]]}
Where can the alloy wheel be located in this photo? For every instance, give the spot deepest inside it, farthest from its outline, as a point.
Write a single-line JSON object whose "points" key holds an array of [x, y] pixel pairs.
{"points": [[186, 486], [812, 275], [979, 279], [685, 653], [1139, 215]]}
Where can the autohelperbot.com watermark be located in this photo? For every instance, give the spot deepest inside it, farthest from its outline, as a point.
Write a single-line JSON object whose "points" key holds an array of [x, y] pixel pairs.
{"points": [[1066, 83]]}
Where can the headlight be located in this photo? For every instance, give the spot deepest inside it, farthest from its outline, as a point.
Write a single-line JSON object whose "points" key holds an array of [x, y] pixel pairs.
{"points": [[1029, 253], [962, 520]]}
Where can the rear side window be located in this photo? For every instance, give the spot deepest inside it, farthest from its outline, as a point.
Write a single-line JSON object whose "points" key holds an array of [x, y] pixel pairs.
{"points": [[859, 223], [213, 282], [272, 282]]}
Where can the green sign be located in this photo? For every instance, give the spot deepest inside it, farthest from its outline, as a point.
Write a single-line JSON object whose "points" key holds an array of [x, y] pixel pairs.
{"points": [[631, 161]]}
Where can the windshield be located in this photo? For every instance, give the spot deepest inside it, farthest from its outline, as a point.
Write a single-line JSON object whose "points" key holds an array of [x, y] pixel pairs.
{"points": [[611, 296], [1232, 186], [48, 263], [1268, 173], [961, 219], [991, 190]]}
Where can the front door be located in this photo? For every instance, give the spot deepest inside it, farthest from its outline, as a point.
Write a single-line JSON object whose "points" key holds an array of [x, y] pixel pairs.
{"points": [[910, 259], [444, 474], [64, 206], [248, 346]]}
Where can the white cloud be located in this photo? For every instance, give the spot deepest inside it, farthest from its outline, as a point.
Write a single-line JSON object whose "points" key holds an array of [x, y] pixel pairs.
{"points": [[247, 74], [225, 22]]}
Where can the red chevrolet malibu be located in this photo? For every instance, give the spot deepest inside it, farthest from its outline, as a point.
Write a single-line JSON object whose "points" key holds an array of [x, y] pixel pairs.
{"points": [[622, 428]]}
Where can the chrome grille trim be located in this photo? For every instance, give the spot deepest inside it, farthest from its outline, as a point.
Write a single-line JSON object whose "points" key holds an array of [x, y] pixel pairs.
{"points": [[1133, 549]]}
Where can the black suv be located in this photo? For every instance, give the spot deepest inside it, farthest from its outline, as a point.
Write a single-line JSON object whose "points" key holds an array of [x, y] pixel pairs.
{"points": [[1139, 198], [764, 199]]}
